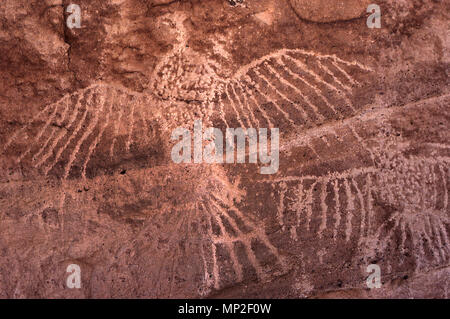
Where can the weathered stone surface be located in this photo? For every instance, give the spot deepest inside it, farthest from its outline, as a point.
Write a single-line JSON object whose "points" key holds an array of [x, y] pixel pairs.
{"points": [[330, 11], [85, 139]]}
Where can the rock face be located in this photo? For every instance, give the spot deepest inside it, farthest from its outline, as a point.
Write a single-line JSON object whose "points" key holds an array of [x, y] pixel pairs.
{"points": [[87, 176], [330, 11]]}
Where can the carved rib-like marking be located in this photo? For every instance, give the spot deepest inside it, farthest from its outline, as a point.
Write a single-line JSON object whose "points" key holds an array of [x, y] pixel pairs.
{"points": [[241, 106], [338, 208], [46, 143], [280, 210], [236, 266], [360, 198], [369, 200], [39, 135], [313, 150], [61, 134], [286, 60], [421, 228], [208, 279], [435, 186], [268, 98], [335, 79], [444, 236], [221, 109], [325, 140], [255, 102], [97, 138], [131, 124], [309, 201], [253, 260], [299, 209], [350, 209], [427, 236], [324, 207], [215, 274], [444, 179], [116, 125], [63, 118], [437, 234], [233, 106], [24, 127], [87, 132], [346, 88], [298, 91], [305, 98], [224, 239], [362, 142], [256, 233], [74, 134], [403, 239], [306, 82], [347, 76], [436, 251], [245, 102]]}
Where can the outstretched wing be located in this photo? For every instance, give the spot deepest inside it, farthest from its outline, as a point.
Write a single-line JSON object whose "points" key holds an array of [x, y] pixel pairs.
{"points": [[289, 87], [97, 124]]}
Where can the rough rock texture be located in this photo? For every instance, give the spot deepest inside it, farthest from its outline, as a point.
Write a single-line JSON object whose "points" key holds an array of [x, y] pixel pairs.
{"points": [[86, 175], [330, 11]]}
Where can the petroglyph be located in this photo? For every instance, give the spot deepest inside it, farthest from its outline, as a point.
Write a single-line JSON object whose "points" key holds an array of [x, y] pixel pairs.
{"points": [[336, 207], [75, 127], [295, 84], [97, 120], [363, 174], [206, 224], [391, 205]]}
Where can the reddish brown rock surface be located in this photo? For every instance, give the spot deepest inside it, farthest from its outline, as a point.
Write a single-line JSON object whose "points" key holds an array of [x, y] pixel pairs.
{"points": [[330, 11], [87, 177]]}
